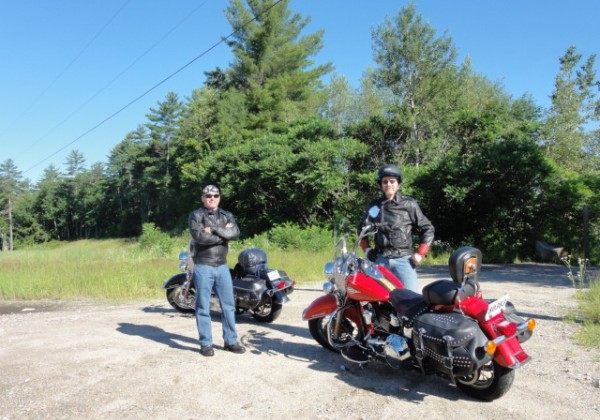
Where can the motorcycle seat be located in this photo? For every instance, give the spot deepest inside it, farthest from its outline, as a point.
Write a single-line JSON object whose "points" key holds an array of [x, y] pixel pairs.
{"points": [[408, 304], [445, 292]]}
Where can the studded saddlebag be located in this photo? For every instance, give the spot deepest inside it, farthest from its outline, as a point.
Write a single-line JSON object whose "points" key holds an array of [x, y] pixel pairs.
{"points": [[450, 343]]}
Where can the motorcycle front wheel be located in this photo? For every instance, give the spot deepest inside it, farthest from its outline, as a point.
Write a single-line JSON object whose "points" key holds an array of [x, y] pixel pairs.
{"points": [[269, 311], [186, 305], [318, 330], [490, 382]]}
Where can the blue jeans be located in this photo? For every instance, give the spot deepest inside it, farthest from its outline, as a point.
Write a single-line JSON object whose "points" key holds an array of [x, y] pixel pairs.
{"points": [[207, 277], [404, 269]]}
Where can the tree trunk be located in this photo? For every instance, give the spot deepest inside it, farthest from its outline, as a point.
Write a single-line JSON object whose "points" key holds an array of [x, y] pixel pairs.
{"points": [[10, 225]]}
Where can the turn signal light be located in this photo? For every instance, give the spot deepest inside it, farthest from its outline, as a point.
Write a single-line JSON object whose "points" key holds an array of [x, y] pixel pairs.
{"points": [[531, 324], [470, 265], [490, 347]]}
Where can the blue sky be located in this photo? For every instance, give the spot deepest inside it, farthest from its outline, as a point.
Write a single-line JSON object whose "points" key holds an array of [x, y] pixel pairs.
{"points": [[69, 67]]}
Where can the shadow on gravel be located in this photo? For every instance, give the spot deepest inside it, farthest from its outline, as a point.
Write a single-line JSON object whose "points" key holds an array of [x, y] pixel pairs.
{"points": [[159, 335], [376, 377], [155, 309]]}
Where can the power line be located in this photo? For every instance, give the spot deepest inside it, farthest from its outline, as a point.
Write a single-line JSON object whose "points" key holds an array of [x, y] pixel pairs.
{"points": [[95, 95], [223, 39], [68, 66]]}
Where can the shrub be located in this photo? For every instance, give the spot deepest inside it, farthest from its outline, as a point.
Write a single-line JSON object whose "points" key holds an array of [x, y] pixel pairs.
{"points": [[291, 236], [156, 242]]}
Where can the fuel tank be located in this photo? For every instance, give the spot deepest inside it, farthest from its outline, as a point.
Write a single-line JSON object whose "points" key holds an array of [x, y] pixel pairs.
{"points": [[375, 287]]}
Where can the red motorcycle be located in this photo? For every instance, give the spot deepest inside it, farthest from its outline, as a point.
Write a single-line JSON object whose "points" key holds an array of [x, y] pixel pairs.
{"points": [[366, 314]]}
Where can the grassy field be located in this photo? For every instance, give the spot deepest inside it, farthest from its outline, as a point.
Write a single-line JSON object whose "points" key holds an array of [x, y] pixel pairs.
{"points": [[116, 269]]}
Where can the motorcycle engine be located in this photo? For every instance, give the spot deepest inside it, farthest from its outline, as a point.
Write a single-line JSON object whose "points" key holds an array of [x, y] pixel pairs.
{"points": [[387, 318], [396, 350]]}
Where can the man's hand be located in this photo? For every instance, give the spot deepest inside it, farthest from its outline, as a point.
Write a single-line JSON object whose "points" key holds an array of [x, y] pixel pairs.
{"points": [[385, 228], [417, 258]]}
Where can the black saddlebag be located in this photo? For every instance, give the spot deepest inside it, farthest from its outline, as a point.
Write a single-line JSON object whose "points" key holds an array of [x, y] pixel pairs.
{"points": [[248, 291], [450, 343]]}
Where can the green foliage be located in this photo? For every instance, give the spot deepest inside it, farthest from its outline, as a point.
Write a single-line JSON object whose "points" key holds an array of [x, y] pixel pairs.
{"points": [[291, 236], [574, 105], [566, 193], [272, 65], [156, 242], [489, 197], [298, 173], [419, 69]]}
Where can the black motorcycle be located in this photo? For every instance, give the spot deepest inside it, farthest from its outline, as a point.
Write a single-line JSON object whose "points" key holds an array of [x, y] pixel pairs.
{"points": [[256, 288]]}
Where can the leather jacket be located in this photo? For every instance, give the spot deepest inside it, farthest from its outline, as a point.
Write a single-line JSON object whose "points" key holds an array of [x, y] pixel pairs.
{"points": [[211, 248], [399, 216]]}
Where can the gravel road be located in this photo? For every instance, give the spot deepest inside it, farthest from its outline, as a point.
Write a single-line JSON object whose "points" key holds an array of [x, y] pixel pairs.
{"points": [[141, 360]]}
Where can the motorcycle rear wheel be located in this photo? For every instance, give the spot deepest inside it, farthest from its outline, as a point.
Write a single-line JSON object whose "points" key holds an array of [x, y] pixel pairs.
{"points": [[489, 383], [181, 303], [268, 311]]}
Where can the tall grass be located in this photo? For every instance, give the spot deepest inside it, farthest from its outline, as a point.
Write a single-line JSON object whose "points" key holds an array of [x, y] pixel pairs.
{"points": [[105, 269], [117, 269], [589, 308]]}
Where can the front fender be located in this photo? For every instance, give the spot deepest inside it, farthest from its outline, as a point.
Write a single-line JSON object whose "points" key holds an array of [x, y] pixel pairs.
{"points": [[320, 307], [176, 280]]}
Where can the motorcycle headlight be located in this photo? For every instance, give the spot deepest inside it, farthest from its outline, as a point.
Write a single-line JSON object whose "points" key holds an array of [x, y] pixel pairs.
{"points": [[182, 265]]}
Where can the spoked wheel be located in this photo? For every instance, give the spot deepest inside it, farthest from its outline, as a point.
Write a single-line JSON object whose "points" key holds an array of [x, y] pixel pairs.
{"points": [[268, 311], [326, 332], [489, 383], [318, 330], [184, 304], [343, 334]]}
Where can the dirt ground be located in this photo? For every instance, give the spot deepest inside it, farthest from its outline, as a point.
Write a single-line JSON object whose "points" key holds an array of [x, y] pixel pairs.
{"points": [[141, 360]]}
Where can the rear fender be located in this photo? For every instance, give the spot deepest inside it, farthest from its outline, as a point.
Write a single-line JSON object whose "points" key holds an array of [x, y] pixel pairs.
{"points": [[509, 352], [176, 280], [280, 297], [320, 307]]}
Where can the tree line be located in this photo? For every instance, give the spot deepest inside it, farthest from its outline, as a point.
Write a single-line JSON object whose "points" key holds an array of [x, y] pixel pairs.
{"points": [[286, 147]]}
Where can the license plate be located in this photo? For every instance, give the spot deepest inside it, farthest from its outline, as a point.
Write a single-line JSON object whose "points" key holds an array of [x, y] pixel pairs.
{"points": [[273, 275], [496, 307]]}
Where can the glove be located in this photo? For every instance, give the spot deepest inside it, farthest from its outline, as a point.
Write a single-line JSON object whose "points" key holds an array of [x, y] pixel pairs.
{"points": [[371, 254], [364, 245], [385, 228]]}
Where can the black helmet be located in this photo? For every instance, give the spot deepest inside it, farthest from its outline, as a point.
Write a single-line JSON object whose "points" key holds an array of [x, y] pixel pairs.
{"points": [[389, 170]]}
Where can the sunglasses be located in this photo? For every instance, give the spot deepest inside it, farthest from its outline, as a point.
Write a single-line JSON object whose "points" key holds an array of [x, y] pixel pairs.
{"points": [[211, 195], [388, 181]]}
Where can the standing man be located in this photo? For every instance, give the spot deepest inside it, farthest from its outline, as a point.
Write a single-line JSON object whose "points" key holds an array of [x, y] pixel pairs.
{"points": [[400, 217], [212, 228]]}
